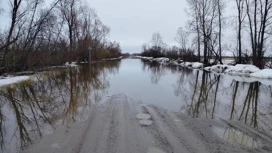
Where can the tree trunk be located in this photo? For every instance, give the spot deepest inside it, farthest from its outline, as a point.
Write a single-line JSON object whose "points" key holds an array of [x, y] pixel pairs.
{"points": [[220, 31]]}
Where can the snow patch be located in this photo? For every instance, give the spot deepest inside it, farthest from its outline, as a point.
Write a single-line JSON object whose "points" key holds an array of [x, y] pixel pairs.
{"points": [[145, 122], [188, 64], [175, 63], [162, 59], [242, 69], [219, 68], [208, 68], [247, 70], [11, 80], [197, 65], [73, 64], [143, 116]]}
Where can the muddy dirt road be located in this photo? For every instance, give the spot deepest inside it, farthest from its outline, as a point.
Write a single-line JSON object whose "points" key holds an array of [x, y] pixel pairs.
{"points": [[121, 125]]}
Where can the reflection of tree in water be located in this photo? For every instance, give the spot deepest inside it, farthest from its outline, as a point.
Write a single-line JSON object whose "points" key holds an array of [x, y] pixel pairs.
{"points": [[205, 103], [212, 97], [183, 85], [65, 95], [157, 70], [200, 104], [215, 96], [251, 104], [249, 112]]}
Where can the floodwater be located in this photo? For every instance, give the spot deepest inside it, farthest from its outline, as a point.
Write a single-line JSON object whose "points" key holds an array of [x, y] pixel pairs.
{"points": [[236, 137], [31, 109]]}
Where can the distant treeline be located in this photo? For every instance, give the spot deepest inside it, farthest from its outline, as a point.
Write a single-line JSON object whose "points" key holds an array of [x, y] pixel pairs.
{"points": [[39, 35], [158, 48], [172, 53]]}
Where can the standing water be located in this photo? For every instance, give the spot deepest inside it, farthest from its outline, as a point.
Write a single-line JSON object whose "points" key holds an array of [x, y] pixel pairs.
{"points": [[31, 109]]}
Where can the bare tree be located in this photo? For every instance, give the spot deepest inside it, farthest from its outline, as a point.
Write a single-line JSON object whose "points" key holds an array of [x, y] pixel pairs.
{"points": [[157, 47], [68, 9], [16, 16], [182, 38], [194, 23], [220, 7], [157, 40], [41, 35], [259, 18], [205, 13], [240, 4]]}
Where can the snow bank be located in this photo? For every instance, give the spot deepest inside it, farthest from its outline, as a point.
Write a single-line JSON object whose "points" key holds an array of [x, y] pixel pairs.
{"points": [[197, 65], [73, 64], [146, 58], [162, 59], [265, 73], [11, 80], [143, 116], [242, 69], [219, 68], [208, 68], [186, 64], [239, 69], [175, 63]]}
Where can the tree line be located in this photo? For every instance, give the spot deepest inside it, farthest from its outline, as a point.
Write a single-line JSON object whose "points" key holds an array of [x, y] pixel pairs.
{"points": [[251, 21], [41, 34], [158, 48]]}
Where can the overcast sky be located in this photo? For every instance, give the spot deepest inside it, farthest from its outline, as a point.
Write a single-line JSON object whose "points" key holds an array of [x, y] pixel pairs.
{"points": [[132, 22]]}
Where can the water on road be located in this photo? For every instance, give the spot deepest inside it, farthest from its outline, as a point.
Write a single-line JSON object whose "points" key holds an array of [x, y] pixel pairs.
{"points": [[35, 108]]}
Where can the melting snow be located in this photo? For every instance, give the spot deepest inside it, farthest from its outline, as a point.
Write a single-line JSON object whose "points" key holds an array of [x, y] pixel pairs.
{"points": [[11, 80], [73, 64], [239, 69], [143, 116], [145, 122], [218, 68], [197, 65], [242, 69]]}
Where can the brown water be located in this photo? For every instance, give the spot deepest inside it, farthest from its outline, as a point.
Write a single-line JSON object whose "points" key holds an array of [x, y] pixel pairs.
{"points": [[31, 109]]}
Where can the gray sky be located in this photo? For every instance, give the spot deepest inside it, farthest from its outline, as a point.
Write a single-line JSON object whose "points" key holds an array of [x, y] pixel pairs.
{"points": [[133, 22]]}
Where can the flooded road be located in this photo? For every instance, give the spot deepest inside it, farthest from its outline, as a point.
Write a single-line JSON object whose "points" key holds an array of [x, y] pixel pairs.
{"points": [[234, 108]]}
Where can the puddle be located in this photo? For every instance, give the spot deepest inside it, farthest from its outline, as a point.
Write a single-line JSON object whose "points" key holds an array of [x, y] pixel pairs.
{"points": [[145, 122], [236, 137]]}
